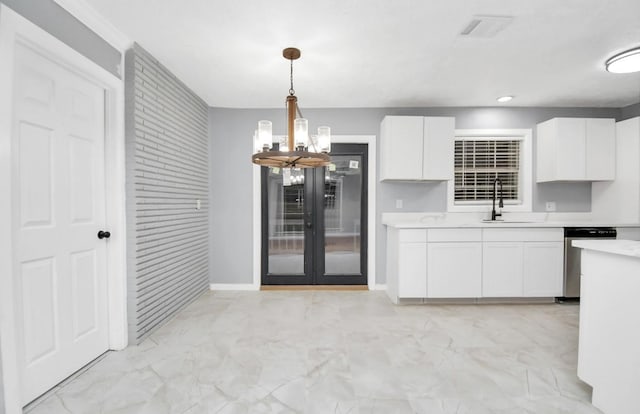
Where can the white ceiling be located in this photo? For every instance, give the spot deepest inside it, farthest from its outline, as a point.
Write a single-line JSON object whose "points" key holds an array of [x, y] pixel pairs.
{"points": [[388, 53]]}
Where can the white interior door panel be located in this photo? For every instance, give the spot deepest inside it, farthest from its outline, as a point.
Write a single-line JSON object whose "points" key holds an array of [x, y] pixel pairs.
{"points": [[58, 186]]}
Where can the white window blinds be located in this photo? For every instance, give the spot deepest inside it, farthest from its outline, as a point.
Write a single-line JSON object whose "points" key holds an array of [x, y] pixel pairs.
{"points": [[479, 161]]}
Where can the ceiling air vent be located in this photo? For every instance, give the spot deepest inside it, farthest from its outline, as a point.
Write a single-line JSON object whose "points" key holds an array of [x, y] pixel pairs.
{"points": [[486, 26]]}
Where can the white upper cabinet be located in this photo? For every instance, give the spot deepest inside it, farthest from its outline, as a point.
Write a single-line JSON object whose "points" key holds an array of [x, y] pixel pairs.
{"points": [[576, 149], [416, 148], [401, 148], [601, 149], [620, 199], [438, 148]]}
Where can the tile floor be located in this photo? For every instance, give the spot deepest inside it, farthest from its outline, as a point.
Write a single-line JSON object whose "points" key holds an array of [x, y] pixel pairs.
{"points": [[339, 352]]}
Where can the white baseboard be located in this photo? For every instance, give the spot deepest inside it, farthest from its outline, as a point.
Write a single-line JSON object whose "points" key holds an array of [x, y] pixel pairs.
{"points": [[233, 286], [251, 286]]}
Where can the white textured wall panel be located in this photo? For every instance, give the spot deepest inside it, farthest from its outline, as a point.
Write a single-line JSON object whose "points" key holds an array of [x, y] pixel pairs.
{"points": [[167, 172]]}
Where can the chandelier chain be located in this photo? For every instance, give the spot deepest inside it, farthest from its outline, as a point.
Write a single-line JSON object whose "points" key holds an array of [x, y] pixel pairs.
{"points": [[291, 90]]}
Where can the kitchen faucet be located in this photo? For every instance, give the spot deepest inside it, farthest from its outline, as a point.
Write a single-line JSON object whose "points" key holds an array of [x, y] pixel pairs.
{"points": [[500, 204]]}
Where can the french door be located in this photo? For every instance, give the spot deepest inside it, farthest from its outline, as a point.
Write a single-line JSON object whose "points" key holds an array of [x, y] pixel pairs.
{"points": [[314, 221]]}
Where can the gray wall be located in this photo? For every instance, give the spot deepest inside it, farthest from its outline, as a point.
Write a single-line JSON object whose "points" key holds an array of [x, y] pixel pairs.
{"points": [[167, 171], [231, 178], [231, 132], [57, 21]]}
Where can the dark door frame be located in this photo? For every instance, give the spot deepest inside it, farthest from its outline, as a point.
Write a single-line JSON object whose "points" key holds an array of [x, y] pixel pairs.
{"points": [[314, 263], [256, 240]]}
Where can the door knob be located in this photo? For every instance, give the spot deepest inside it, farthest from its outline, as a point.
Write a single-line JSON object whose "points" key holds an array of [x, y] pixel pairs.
{"points": [[103, 234]]}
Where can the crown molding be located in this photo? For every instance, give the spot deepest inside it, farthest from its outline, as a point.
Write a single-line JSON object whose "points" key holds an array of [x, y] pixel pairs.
{"points": [[96, 22]]}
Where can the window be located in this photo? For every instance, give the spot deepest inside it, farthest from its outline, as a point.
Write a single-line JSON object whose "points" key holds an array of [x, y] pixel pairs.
{"points": [[478, 162], [481, 156]]}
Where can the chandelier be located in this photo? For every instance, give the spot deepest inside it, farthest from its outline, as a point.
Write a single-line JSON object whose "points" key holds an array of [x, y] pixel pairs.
{"points": [[299, 149]]}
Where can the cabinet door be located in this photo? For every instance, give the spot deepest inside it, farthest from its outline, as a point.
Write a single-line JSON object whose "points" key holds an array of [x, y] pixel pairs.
{"points": [[543, 269], [571, 149], [438, 148], [600, 149], [454, 270], [502, 270], [401, 148], [412, 270], [545, 151]]}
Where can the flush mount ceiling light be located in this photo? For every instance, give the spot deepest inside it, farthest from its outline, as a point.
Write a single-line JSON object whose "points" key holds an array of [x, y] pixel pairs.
{"points": [[625, 62], [504, 99], [299, 150]]}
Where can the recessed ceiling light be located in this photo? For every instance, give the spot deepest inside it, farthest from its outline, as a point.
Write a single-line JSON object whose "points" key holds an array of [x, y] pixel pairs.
{"points": [[504, 99], [625, 62]]}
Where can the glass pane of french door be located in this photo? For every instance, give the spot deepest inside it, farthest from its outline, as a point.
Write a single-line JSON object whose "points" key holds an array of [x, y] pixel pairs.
{"points": [[343, 215], [285, 206]]}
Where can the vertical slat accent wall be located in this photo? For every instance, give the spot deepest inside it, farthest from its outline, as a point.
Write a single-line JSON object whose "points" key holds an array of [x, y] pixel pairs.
{"points": [[167, 173]]}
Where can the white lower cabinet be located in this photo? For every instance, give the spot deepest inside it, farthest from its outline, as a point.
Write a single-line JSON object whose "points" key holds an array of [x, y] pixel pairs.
{"points": [[522, 269], [543, 267], [522, 262], [412, 267], [454, 270], [474, 263], [502, 270], [406, 263]]}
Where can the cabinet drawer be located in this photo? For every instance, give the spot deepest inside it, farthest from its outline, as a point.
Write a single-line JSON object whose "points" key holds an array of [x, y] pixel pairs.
{"points": [[412, 235], [454, 235], [522, 234]]}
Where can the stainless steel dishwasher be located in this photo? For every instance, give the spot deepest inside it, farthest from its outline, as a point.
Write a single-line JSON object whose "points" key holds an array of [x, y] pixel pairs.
{"points": [[571, 285]]}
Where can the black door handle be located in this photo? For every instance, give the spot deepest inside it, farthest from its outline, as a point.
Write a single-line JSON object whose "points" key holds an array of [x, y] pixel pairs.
{"points": [[308, 224], [103, 234]]}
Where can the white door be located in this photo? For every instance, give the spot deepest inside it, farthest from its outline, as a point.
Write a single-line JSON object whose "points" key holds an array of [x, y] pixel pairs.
{"points": [[58, 183]]}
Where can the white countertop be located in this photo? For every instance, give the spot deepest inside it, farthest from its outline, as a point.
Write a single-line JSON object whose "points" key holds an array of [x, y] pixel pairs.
{"points": [[621, 247], [505, 224], [512, 220]]}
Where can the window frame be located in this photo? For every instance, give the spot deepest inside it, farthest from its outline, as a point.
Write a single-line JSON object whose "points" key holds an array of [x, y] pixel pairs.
{"points": [[526, 167]]}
